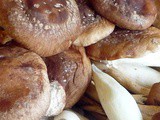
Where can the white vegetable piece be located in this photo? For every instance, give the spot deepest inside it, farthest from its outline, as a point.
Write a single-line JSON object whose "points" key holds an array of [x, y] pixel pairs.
{"points": [[136, 78], [149, 59], [116, 101], [69, 115]]}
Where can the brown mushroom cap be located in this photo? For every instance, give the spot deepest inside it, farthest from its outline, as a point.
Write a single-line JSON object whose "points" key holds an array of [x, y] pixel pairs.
{"points": [[154, 95], [24, 85], [131, 14], [157, 21], [45, 26], [72, 69], [94, 26], [126, 44]]}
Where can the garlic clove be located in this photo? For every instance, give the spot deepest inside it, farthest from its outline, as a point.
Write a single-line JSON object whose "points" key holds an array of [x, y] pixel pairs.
{"points": [[135, 78], [116, 101], [69, 115], [92, 93], [150, 59]]}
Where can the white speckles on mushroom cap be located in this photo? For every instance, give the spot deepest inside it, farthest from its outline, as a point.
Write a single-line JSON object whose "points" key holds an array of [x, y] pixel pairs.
{"points": [[42, 27]]}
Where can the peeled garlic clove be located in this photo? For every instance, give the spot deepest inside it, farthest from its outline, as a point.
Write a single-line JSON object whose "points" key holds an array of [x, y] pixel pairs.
{"points": [[92, 93], [69, 115], [116, 101], [135, 78], [150, 59], [142, 75]]}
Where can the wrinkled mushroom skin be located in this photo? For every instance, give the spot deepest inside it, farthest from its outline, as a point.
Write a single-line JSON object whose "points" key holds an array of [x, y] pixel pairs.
{"points": [[24, 85], [72, 70], [154, 95], [45, 26], [130, 14]]}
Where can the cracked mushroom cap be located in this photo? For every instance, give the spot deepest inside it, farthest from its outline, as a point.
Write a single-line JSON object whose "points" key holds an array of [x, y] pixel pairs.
{"points": [[24, 85], [130, 14], [94, 26], [71, 70], [125, 45], [46, 27]]}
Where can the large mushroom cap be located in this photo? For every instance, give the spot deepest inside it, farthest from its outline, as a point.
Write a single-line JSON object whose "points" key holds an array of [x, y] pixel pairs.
{"points": [[126, 44], [130, 14], [72, 70], [93, 25], [24, 85], [45, 26]]}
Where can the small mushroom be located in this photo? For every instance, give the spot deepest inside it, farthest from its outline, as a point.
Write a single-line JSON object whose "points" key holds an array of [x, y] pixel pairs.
{"points": [[46, 27], [131, 14], [94, 26], [71, 70], [116, 101], [24, 84]]}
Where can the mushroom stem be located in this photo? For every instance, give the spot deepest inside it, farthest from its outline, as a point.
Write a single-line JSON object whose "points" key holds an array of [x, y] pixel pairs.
{"points": [[111, 97]]}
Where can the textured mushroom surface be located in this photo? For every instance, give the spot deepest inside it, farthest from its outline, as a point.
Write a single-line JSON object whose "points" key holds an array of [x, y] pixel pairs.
{"points": [[72, 69], [45, 26], [93, 25], [130, 14], [24, 85], [126, 44]]}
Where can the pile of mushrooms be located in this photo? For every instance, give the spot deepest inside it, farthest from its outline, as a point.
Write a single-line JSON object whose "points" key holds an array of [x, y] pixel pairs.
{"points": [[79, 59]]}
